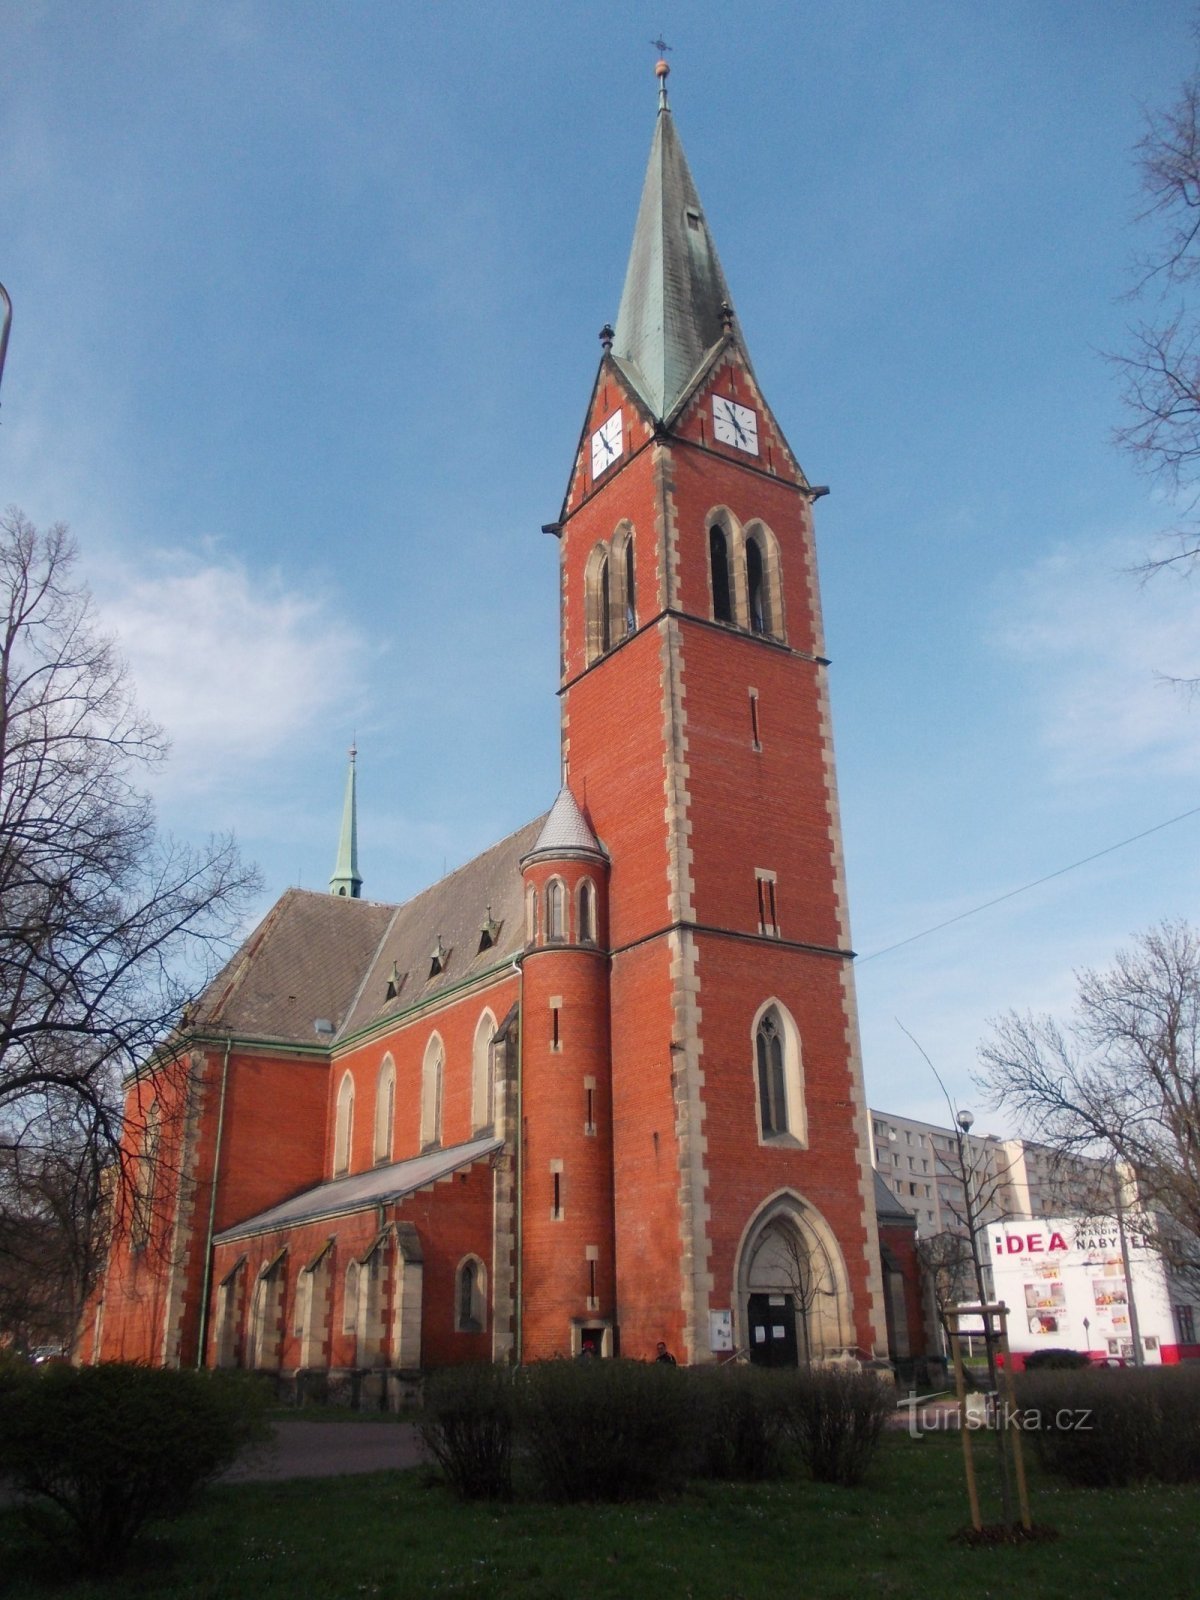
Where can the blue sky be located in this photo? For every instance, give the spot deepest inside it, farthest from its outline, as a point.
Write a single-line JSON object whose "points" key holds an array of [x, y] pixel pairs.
{"points": [[306, 303]]}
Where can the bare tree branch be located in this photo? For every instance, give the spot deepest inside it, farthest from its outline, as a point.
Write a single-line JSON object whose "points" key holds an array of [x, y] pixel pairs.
{"points": [[106, 928], [1122, 1082]]}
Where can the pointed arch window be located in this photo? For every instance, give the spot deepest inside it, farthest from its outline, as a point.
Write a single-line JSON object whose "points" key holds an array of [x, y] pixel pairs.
{"points": [[146, 1177], [343, 1127], [556, 918], [587, 912], [628, 606], [531, 915], [385, 1109], [431, 1093], [718, 561], [605, 604], [350, 1298], [481, 1073], [780, 1084], [756, 588], [470, 1313]]}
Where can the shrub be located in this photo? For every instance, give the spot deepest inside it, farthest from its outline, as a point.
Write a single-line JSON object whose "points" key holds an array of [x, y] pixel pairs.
{"points": [[114, 1447], [467, 1423], [15, 1370], [738, 1414], [835, 1419], [604, 1430], [1057, 1361], [1107, 1429]]}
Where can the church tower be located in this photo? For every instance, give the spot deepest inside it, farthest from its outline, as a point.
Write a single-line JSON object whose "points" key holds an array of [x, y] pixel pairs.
{"points": [[696, 740]]}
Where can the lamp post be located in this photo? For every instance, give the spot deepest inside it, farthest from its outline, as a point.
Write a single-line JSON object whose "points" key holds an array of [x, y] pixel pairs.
{"points": [[964, 1122]]}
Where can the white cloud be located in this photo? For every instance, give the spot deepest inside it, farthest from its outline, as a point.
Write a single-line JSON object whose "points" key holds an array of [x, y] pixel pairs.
{"points": [[235, 666], [1103, 647]]}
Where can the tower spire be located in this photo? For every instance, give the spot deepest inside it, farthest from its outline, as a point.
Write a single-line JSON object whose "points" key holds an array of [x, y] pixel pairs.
{"points": [[346, 879], [672, 307]]}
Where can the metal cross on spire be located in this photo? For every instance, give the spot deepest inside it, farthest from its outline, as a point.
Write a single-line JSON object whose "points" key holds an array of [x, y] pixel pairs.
{"points": [[662, 71]]}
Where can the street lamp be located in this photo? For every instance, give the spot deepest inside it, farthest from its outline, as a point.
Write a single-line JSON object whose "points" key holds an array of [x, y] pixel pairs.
{"points": [[965, 1122]]}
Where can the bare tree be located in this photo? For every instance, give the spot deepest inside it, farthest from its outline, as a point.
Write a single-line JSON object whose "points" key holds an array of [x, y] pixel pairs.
{"points": [[810, 1281], [1161, 371], [1122, 1080], [106, 928], [945, 1262]]}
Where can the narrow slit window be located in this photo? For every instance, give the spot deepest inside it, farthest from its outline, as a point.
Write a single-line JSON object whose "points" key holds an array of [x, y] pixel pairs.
{"points": [[755, 736], [555, 1035], [589, 1116], [630, 588], [768, 919], [556, 1195]]}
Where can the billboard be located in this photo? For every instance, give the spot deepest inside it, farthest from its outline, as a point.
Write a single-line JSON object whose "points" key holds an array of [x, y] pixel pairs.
{"points": [[1065, 1285]]}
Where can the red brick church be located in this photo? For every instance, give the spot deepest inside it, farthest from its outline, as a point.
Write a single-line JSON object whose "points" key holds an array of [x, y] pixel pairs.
{"points": [[602, 1084]]}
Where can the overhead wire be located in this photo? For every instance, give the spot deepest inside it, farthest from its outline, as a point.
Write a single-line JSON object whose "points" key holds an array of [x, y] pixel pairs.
{"points": [[1025, 887]]}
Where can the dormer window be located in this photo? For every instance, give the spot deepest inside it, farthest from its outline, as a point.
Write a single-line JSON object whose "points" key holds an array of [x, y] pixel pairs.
{"points": [[439, 956], [395, 983], [489, 932]]}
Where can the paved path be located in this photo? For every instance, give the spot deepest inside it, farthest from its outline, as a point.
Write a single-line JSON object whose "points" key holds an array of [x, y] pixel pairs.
{"points": [[329, 1449]]}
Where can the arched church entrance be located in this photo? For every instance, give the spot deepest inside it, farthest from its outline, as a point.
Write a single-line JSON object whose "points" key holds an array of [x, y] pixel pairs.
{"points": [[792, 1294]]}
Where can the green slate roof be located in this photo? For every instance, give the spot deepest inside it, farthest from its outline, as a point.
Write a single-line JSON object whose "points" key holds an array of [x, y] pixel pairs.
{"points": [[670, 316]]}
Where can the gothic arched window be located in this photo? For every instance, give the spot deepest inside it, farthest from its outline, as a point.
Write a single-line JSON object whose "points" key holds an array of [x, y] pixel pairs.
{"points": [[470, 1312], [343, 1127], [718, 560], [385, 1109], [481, 1073], [587, 912], [350, 1299], [605, 604], [628, 587], [531, 911], [431, 1093], [556, 921], [756, 589], [778, 1075], [146, 1178], [772, 1085]]}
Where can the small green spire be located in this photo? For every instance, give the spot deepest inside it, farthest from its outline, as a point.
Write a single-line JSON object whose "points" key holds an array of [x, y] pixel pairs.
{"points": [[346, 880]]}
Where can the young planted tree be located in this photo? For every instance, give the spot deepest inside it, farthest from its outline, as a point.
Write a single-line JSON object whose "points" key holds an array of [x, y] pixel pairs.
{"points": [[106, 928]]}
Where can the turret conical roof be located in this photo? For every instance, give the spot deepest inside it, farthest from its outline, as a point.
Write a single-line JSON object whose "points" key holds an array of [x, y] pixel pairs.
{"points": [[565, 831]]}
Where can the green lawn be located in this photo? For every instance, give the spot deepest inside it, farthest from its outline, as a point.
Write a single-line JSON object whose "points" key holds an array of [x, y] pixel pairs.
{"points": [[397, 1535]]}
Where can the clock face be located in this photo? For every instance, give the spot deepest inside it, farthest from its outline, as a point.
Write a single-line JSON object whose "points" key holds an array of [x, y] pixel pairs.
{"points": [[734, 424], [607, 444]]}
